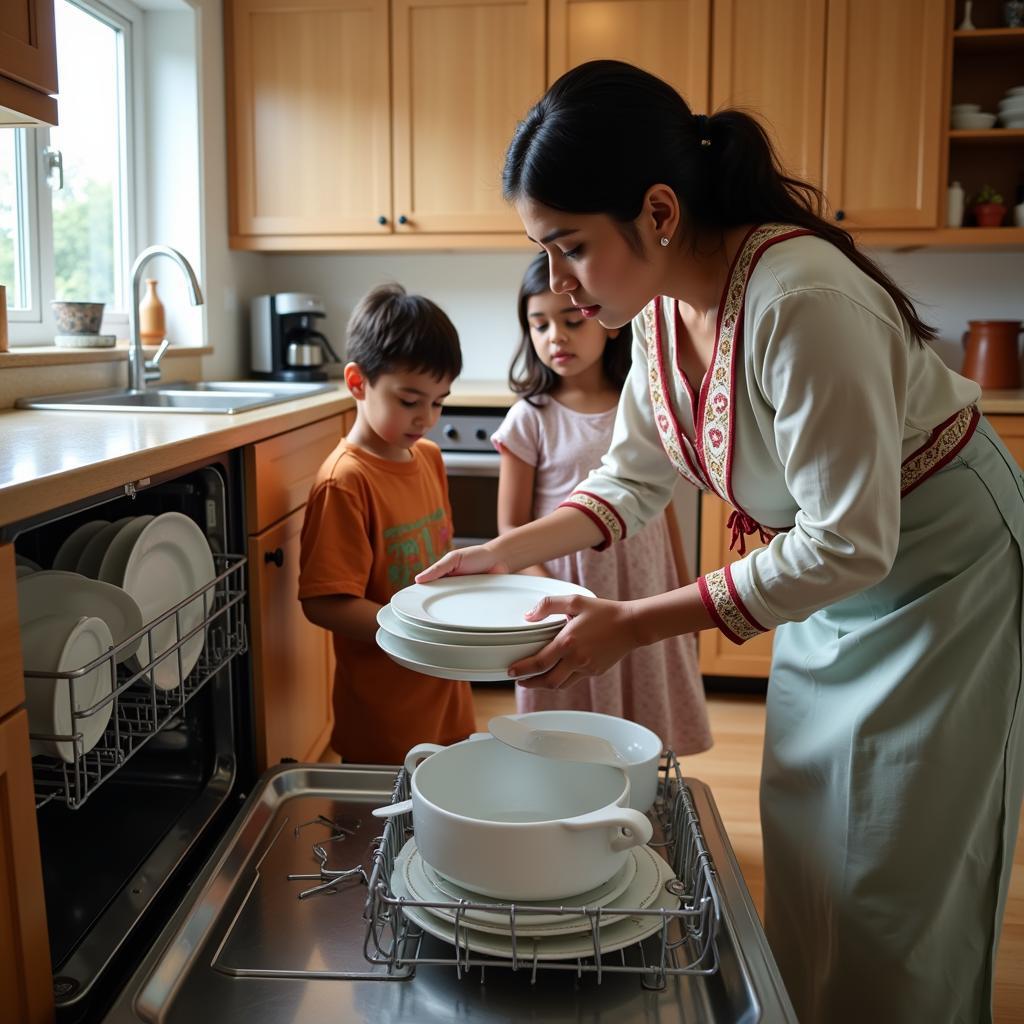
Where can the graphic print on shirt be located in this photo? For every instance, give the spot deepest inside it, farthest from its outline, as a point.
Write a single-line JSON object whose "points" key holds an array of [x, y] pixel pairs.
{"points": [[411, 547]]}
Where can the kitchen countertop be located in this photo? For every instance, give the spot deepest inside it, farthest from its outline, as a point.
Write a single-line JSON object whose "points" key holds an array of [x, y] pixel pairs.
{"points": [[49, 459]]}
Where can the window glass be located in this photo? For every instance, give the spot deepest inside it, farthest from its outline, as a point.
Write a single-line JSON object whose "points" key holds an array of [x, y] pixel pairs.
{"points": [[14, 230]]}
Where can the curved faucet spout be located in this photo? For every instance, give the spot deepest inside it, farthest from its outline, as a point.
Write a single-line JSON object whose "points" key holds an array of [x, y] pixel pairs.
{"points": [[139, 371]]}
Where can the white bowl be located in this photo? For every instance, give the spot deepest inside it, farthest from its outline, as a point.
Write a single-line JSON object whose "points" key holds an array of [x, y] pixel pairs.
{"points": [[1017, 121], [973, 122], [389, 618], [965, 108], [1017, 90], [490, 658], [1012, 103], [63, 643], [636, 743]]}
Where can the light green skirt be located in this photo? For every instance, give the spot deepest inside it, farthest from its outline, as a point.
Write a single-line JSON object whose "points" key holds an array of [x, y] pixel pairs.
{"points": [[893, 766]]}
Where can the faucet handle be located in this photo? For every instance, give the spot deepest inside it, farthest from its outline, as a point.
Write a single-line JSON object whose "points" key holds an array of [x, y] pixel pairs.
{"points": [[152, 368]]}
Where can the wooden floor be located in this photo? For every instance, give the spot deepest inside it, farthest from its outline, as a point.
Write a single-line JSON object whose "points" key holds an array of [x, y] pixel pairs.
{"points": [[732, 769]]}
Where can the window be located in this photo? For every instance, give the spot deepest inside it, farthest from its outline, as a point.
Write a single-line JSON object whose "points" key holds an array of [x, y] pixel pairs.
{"points": [[66, 192]]}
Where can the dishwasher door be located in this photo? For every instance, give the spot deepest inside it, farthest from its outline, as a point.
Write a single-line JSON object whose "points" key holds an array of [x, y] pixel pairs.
{"points": [[245, 948]]}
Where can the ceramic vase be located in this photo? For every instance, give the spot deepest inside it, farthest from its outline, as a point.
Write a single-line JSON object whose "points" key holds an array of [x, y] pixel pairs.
{"points": [[152, 322]]}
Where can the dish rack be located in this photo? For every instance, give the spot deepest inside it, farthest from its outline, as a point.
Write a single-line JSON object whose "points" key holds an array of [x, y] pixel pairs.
{"points": [[685, 944], [140, 709]]}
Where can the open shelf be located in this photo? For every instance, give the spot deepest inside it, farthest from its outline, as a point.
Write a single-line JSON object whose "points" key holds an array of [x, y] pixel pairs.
{"points": [[988, 40], [989, 137], [993, 239]]}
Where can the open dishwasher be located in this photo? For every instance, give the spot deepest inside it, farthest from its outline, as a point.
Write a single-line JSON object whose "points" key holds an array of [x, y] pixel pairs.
{"points": [[296, 919]]}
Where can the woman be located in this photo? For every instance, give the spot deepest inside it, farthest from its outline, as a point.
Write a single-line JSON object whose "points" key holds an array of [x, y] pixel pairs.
{"points": [[778, 366]]}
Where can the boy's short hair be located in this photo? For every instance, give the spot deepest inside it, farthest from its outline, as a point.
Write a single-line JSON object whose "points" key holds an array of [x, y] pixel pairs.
{"points": [[391, 330]]}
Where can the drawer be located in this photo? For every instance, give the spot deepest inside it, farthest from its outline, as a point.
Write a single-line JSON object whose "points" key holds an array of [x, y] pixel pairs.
{"points": [[280, 471]]}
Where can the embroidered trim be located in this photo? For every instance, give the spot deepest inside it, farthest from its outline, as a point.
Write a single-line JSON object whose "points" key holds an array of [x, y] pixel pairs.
{"points": [[942, 445], [607, 519], [720, 597]]}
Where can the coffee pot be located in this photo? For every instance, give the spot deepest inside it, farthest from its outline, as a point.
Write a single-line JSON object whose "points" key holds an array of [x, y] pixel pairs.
{"points": [[992, 353]]}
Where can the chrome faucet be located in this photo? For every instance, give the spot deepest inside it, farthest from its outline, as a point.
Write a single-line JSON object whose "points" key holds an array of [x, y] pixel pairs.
{"points": [[140, 369]]}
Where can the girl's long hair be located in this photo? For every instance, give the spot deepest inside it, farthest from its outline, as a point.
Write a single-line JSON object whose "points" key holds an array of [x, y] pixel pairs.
{"points": [[528, 376], [606, 131]]}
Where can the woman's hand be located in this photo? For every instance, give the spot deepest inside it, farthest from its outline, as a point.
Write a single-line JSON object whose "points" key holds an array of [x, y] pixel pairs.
{"points": [[599, 633], [464, 562]]}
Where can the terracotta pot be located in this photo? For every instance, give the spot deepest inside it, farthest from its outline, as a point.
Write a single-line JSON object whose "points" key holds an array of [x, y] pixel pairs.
{"points": [[989, 215], [992, 356]]}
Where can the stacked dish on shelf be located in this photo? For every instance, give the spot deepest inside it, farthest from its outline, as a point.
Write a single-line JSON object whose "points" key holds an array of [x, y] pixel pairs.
{"points": [[470, 627], [1011, 108]]}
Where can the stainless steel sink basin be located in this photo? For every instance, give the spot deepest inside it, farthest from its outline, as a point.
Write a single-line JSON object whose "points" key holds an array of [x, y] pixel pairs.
{"points": [[223, 396]]}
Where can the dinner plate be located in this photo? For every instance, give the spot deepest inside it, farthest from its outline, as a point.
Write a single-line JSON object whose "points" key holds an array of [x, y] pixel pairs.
{"points": [[91, 558], [622, 933], [391, 647], [55, 593], [484, 603], [170, 560], [68, 554], [115, 559], [394, 622], [426, 885]]}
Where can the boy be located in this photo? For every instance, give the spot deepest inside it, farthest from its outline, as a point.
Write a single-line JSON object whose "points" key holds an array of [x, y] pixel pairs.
{"points": [[378, 514]]}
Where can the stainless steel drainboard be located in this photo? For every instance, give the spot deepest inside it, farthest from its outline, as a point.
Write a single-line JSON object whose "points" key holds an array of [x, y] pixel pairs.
{"points": [[244, 948]]}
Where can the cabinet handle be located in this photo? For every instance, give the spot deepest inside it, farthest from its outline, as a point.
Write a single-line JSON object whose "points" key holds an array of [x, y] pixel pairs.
{"points": [[382, 220], [840, 215], [403, 219], [276, 556]]}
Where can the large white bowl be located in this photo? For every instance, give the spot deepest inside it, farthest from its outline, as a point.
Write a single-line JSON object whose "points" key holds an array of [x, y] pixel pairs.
{"points": [[63, 643], [1011, 103], [973, 122], [519, 827], [965, 108], [1016, 122], [636, 743]]}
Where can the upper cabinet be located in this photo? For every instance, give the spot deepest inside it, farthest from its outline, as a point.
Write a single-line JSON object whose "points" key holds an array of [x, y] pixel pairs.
{"points": [[669, 38], [28, 63]]}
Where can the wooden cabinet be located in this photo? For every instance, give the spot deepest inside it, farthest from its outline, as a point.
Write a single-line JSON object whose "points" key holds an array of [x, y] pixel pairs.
{"points": [[669, 38], [884, 111], [12, 685], [769, 59], [28, 62], [465, 72], [292, 660], [1011, 431]]}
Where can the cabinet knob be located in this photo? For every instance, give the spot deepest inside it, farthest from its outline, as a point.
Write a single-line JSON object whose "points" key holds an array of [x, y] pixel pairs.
{"points": [[382, 220], [403, 219], [840, 215], [276, 556]]}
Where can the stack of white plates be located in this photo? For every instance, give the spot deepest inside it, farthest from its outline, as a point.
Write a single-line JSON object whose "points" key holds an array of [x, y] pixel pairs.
{"points": [[470, 627], [562, 933]]}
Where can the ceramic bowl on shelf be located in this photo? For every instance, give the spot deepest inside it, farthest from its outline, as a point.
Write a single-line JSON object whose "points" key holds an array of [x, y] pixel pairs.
{"points": [[1011, 105], [979, 121], [78, 317], [965, 108], [1016, 122]]}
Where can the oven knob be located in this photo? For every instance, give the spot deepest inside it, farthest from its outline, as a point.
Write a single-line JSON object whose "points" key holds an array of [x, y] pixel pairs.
{"points": [[452, 433], [481, 434]]}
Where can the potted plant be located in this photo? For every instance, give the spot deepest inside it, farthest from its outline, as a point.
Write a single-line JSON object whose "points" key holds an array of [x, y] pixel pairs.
{"points": [[988, 207]]}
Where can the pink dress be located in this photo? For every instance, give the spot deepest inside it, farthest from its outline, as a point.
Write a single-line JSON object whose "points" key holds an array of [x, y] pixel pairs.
{"points": [[658, 686]]}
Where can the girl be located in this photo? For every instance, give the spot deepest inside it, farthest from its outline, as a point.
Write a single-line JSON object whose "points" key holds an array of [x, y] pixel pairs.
{"points": [[569, 372]]}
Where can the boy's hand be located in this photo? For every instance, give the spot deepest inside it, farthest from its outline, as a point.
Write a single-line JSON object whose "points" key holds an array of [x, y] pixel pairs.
{"points": [[464, 562]]}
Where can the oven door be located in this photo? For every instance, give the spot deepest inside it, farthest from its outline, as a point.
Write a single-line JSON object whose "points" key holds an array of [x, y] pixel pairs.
{"points": [[473, 490]]}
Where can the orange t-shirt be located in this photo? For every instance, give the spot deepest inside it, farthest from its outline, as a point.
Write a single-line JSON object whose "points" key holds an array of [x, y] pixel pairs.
{"points": [[371, 524]]}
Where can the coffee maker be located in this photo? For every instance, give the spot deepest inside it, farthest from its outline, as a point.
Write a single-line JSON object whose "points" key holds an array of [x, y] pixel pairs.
{"points": [[285, 343]]}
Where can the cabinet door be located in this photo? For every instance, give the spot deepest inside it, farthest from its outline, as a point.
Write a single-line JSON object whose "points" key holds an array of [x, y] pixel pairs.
{"points": [[669, 38], [12, 684], [26, 986], [883, 111], [1011, 432], [769, 59], [291, 657], [28, 48], [466, 71], [308, 116], [718, 655]]}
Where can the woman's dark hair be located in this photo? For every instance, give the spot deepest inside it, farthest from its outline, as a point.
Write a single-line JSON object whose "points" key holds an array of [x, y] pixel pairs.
{"points": [[391, 330], [528, 376], [631, 130]]}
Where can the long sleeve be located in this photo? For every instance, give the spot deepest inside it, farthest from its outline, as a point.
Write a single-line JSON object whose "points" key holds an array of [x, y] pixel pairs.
{"points": [[833, 374], [635, 480]]}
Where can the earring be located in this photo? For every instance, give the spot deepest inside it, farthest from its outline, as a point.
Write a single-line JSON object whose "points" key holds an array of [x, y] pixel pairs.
{"points": [[664, 240]]}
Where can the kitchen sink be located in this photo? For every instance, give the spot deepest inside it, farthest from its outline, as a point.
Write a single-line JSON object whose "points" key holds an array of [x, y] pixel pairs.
{"points": [[209, 396]]}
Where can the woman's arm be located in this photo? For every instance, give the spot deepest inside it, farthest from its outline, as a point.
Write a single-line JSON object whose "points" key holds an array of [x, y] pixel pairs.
{"points": [[515, 499]]}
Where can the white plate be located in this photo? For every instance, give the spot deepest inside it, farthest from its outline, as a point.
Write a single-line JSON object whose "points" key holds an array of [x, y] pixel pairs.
{"points": [[431, 634], [71, 550], [59, 593], [616, 936], [494, 656], [426, 885], [482, 603], [91, 558], [115, 559], [170, 560], [22, 570], [63, 643], [390, 646], [26, 563]]}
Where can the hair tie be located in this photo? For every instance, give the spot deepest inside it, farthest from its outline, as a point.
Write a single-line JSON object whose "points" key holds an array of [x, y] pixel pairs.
{"points": [[702, 129]]}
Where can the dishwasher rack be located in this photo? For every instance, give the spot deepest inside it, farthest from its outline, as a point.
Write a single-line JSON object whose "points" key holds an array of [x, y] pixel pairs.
{"points": [[685, 944], [139, 708]]}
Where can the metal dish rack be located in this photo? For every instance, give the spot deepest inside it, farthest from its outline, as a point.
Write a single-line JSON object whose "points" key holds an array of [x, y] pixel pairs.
{"points": [[685, 944], [140, 709]]}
